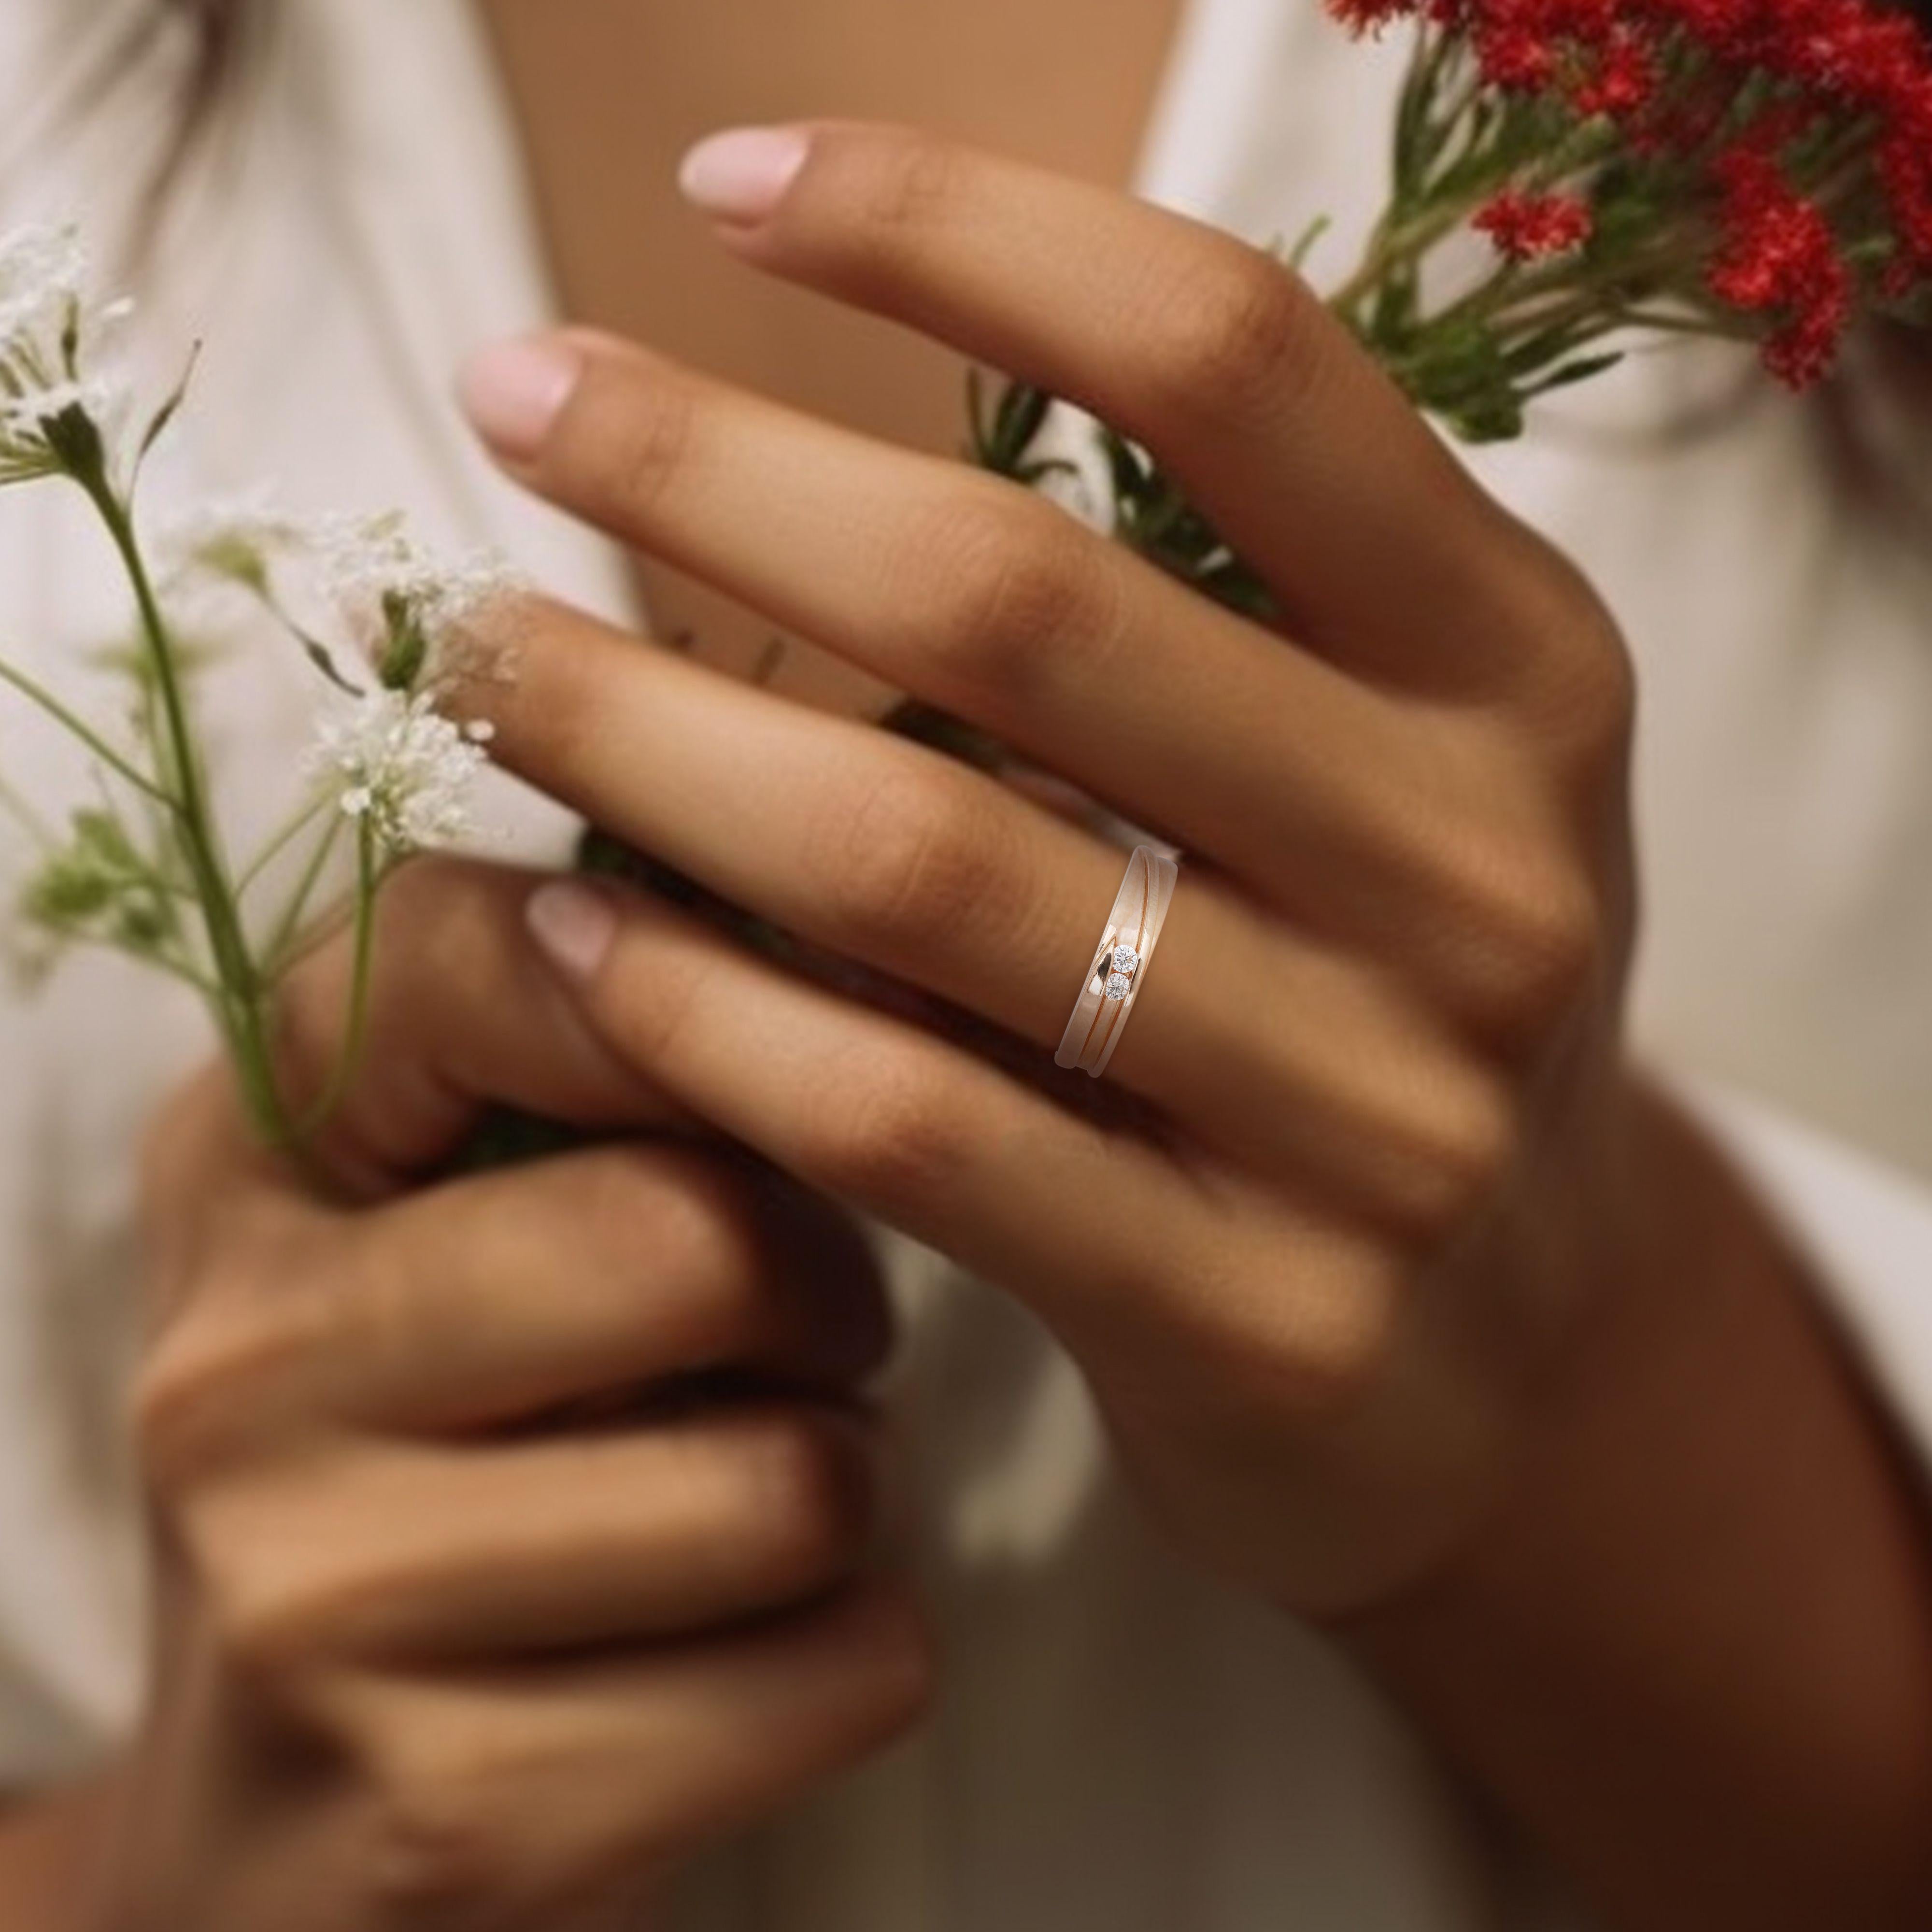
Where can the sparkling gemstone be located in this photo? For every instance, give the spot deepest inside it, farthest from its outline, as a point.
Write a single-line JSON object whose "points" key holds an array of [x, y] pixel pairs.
{"points": [[1125, 959], [1118, 986]]}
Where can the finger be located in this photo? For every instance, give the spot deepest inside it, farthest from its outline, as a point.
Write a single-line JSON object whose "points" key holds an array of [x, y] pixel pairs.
{"points": [[1308, 460], [509, 1791], [463, 1015], [494, 1299], [1105, 1236], [980, 597], [397, 1551], [1269, 1044]]}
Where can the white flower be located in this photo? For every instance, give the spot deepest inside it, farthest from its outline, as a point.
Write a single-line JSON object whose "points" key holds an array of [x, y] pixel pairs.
{"points": [[405, 770], [47, 328], [233, 539], [401, 597], [43, 272]]}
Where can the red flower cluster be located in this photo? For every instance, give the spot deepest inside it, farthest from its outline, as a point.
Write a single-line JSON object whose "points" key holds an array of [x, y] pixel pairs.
{"points": [[1787, 143], [1781, 258], [1530, 227]]}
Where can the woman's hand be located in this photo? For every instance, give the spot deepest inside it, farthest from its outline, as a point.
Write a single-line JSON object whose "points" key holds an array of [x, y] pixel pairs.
{"points": [[1381, 1035], [466, 1616], [1404, 1304]]}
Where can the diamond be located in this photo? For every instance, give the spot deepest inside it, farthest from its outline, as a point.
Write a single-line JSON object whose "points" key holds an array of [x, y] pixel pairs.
{"points": [[1125, 959], [1118, 986]]}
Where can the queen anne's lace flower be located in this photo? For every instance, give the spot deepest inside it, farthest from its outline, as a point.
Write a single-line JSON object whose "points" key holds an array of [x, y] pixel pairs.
{"points": [[46, 327], [235, 539], [397, 592], [405, 771]]}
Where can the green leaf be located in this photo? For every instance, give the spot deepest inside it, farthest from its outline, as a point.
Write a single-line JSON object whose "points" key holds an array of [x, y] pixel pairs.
{"points": [[1310, 238], [157, 426], [1580, 371], [1495, 419], [408, 648], [1023, 412], [102, 835]]}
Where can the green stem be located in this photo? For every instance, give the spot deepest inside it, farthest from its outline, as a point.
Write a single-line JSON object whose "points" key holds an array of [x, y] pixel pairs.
{"points": [[241, 1008], [30, 821], [288, 928], [280, 843], [356, 1028], [40, 696]]}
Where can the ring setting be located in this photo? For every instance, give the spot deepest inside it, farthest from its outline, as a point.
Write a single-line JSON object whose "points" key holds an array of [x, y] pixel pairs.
{"points": [[1119, 971]]}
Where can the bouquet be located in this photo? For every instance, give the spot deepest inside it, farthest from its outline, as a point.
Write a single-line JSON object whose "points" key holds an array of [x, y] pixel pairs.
{"points": [[145, 868], [1571, 177], [1568, 177]]}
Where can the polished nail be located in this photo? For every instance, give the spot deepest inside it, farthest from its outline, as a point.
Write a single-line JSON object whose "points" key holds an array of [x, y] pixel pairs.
{"points": [[743, 175], [575, 925], [515, 392]]}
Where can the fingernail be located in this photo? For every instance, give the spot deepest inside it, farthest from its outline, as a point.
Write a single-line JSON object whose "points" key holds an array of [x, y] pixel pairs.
{"points": [[575, 924], [514, 391], [743, 174]]}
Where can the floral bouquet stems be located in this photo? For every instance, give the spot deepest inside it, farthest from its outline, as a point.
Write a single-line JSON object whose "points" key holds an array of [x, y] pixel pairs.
{"points": [[1569, 178], [145, 869]]}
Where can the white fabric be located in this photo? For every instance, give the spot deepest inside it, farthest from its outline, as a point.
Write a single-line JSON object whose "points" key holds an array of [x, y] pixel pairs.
{"points": [[1120, 1747]]}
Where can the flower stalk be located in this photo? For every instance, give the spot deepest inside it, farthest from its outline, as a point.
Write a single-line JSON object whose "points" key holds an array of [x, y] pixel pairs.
{"points": [[1569, 178], [146, 870]]}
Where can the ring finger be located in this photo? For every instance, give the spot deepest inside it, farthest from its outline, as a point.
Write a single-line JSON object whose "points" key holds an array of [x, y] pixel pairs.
{"points": [[889, 854]]}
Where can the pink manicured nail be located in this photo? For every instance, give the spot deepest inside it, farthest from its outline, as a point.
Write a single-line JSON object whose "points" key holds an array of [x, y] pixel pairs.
{"points": [[514, 391], [742, 175], [575, 924]]}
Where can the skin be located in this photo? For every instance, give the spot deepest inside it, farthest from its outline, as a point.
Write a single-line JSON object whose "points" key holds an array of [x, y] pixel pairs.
{"points": [[1416, 1312], [1410, 1308], [610, 90], [465, 1618]]}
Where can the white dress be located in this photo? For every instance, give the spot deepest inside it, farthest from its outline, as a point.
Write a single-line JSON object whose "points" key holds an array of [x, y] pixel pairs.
{"points": [[1120, 1748]]}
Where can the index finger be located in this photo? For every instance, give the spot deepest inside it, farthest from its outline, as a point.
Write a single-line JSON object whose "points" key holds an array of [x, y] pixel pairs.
{"points": [[1379, 549]]}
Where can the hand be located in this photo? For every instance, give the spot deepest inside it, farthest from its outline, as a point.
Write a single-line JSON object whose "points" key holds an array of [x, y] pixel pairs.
{"points": [[464, 1617], [1380, 1034]]}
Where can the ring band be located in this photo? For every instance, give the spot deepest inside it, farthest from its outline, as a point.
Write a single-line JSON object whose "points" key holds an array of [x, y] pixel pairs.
{"points": [[1119, 970]]}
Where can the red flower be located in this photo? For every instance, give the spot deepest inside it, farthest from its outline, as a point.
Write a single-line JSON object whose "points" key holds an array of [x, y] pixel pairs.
{"points": [[1620, 79], [1532, 227], [1775, 155], [1779, 258]]}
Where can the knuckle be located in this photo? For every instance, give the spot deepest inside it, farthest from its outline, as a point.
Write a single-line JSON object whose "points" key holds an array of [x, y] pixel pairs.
{"points": [[1585, 699], [435, 1855], [910, 857], [1593, 709], [1012, 586], [254, 1599], [690, 1222], [1238, 330], [1548, 941], [898, 1141], [891, 184], [1313, 1348], [637, 441], [1533, 937], [808, 1490], [901, 1661], [1456, 1154], [690, 1212], [219, 1375]]}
